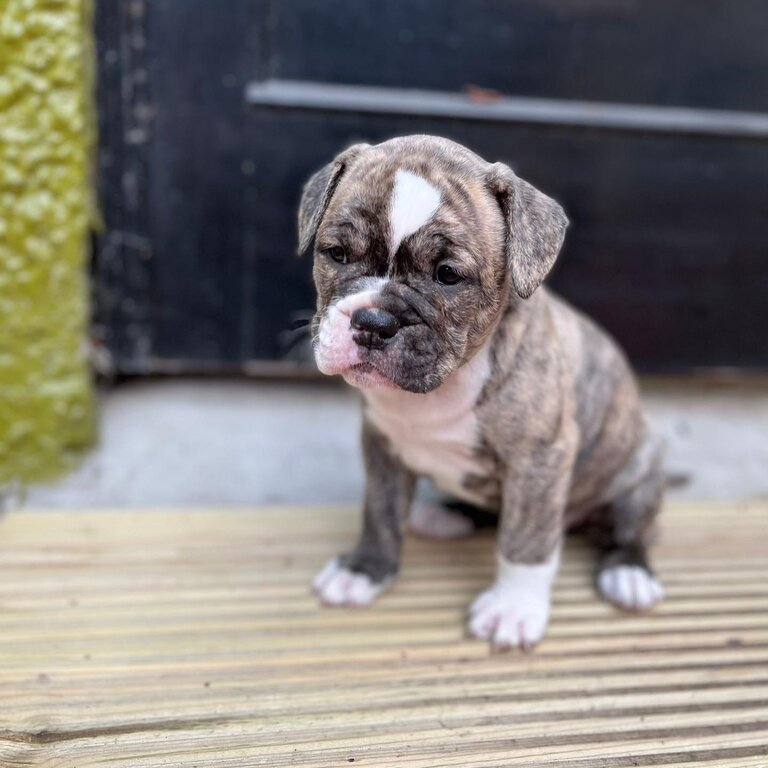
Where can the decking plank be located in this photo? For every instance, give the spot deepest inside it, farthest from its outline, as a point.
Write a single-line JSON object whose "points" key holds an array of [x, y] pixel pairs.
{"points": [[189, 637]]}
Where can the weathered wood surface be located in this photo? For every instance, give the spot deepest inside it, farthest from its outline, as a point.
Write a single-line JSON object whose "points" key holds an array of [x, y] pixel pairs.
{"points": [[189, 638]]}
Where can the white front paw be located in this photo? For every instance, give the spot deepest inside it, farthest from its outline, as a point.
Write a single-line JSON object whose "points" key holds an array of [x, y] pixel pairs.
{"points": [[336, 585], [509, 618], [630, 587]]}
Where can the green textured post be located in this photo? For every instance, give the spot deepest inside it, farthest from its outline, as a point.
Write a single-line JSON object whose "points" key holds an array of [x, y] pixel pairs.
{"points": [[45, 149]]}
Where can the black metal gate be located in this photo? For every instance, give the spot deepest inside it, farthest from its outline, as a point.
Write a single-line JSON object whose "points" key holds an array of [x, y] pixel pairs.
{"points": [[648, 121]]}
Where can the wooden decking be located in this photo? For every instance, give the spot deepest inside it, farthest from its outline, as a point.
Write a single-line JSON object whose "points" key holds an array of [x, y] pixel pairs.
{"points": [[189, 638]]}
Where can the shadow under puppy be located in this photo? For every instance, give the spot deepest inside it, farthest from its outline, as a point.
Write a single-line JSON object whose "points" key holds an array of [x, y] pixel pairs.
{"points": [[427, 264]]}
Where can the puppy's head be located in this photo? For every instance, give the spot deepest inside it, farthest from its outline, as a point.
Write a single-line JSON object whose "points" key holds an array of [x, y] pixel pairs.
{"points": [[419, 246]]}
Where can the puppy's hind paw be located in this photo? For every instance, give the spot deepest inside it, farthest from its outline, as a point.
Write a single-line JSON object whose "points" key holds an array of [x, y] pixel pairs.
{"points": [[630, 587], [336, 585], [434, 521]]}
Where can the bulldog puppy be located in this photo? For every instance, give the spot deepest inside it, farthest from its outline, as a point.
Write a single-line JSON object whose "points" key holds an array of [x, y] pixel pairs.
{"points": [[427, 263]]}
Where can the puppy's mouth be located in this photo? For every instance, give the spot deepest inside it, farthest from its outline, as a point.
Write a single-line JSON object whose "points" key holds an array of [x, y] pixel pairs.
{"points": [[375, 342], [367, 375]]}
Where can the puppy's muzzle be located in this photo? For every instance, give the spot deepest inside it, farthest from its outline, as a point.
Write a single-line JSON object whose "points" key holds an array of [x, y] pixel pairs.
{"points": [[374, 327]]}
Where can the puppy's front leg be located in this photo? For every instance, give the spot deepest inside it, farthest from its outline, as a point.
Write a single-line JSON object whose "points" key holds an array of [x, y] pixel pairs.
{"points": [[514, 612], [360, 576]]}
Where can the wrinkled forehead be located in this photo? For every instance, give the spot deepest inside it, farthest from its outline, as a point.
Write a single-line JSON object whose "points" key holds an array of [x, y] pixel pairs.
{"points": [[394, 196]]}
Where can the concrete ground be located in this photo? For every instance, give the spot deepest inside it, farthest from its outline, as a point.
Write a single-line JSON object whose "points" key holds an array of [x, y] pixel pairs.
{"points": [[245, 442]]}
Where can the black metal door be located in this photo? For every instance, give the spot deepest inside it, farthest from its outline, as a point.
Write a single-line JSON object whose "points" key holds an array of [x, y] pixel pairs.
{"points": [[649, 122]]}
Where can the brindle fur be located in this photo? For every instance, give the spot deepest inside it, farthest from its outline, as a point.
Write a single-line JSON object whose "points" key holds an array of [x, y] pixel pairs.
{"points": [[561, 431], [389, 492]]}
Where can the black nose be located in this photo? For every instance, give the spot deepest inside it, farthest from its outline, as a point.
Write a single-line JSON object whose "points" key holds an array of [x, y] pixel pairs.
{"points": [[375, 326]]}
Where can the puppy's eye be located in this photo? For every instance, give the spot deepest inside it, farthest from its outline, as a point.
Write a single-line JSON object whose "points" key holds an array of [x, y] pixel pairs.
{"points": [[337, 253], [447, 275]]}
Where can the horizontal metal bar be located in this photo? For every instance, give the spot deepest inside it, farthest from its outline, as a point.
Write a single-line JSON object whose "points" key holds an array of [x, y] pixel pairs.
{"points": [[291, 94]]}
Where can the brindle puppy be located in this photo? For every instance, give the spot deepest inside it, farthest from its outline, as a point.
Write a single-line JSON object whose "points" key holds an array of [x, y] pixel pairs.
{"points": [[427, 264]]}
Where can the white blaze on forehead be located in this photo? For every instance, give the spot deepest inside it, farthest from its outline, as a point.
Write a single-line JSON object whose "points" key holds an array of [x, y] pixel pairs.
{"points": [[414, 202]]}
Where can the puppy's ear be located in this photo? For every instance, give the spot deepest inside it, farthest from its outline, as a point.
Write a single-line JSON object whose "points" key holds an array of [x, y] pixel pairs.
{"points": [[535, 228], [318, 192]]}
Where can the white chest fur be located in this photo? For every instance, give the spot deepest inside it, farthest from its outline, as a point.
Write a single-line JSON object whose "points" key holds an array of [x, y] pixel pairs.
{"points": [[436, 434]]}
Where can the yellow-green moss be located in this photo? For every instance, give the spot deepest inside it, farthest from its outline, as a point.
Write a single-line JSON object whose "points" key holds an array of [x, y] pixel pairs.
{"points": [[45, 144]]}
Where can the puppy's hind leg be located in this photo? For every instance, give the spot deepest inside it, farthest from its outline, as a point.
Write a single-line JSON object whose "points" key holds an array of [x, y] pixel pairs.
{"points": [[433, 520], [448, 519], [625, 577]]}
